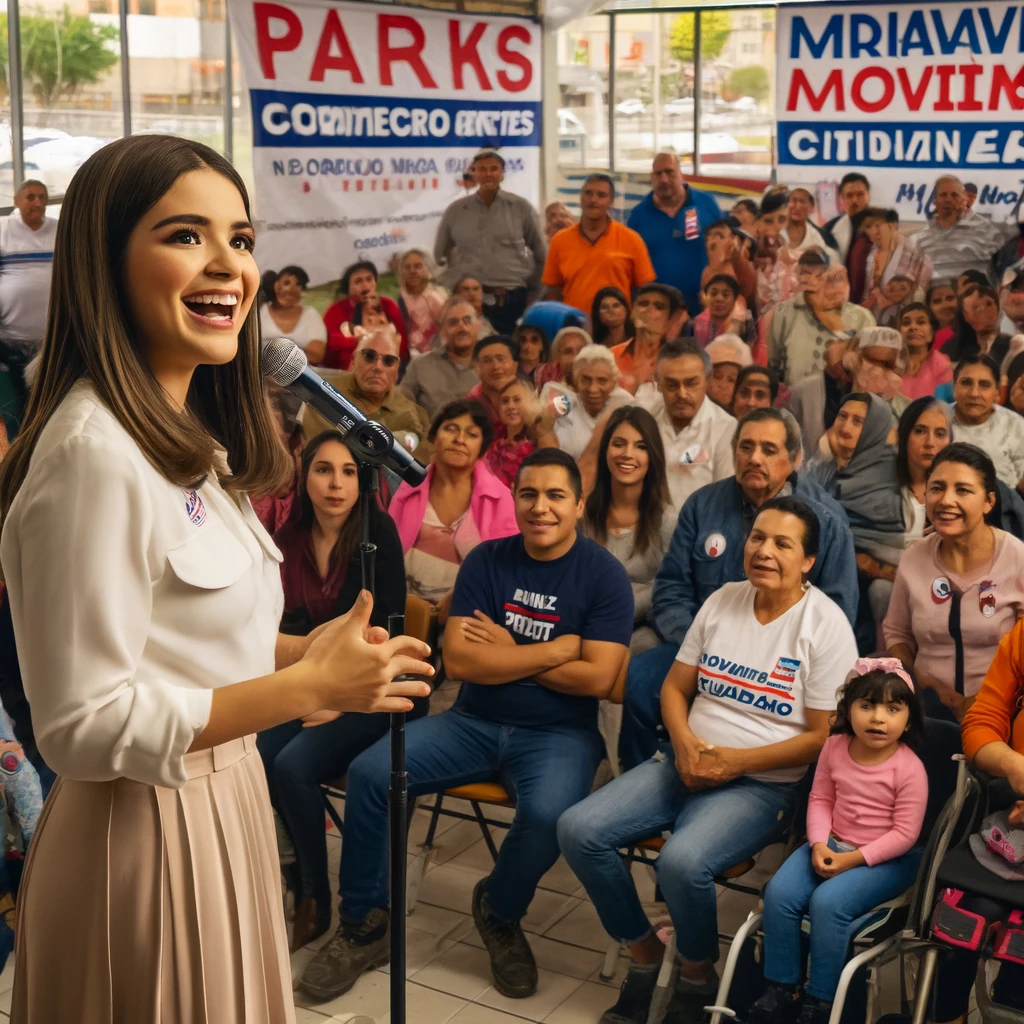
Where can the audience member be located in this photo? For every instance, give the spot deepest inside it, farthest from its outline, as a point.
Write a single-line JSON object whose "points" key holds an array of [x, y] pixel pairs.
{"points": [[721, 294], [729, 783], [696, 433], [800, 232], [595, 376], [610, 322], [941, 299], [844, 230], [420, 300], [803, 327], [728, 254], [864, 814], [672, 219], [534, 351], [597, 252], [469, 289], [567, 344], [839, 443], [745, 212], [707, 552], [927, 367], [977, 329], [459, 505], [358, 286], [757, 387], [657, 312], [958, 590], [556, 217], [729, 354], [283, 314], [494, 236], [524, 429], [891, 256], [539, 628], [371, 386], [956, 238], [496, 361], [993, 738], [1011, 301], [980, 421], [874, 361], [26, 265], [322, 580], [446, 374]]}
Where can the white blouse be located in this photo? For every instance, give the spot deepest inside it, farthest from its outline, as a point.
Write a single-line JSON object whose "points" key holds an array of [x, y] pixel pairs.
{"points": [[310, 327], [132, 600]]}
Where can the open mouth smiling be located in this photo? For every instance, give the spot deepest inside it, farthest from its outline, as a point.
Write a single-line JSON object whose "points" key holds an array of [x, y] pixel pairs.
{"points": [[215, 309]]}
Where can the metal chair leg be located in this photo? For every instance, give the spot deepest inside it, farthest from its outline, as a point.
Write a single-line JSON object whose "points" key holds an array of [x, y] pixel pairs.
{"points": [[611, 961], [925, 980], [721, 1007], [849, 971], [485, 828]]}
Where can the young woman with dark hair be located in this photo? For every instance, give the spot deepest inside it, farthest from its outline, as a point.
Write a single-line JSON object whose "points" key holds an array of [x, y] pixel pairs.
{"points": [[128, 532], [610, 322], [927, 366], [284, 315]]}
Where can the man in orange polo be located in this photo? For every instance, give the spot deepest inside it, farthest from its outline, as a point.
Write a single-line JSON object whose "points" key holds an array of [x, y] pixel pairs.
{"points": [[595, 253]]}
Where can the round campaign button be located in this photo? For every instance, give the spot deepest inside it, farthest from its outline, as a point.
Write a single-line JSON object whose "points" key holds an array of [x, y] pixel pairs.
{"points": [[941, 591], [714, 545]]}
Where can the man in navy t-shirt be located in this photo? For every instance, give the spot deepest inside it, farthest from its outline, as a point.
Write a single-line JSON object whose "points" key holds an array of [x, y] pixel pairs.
{"points": [[672, 219], [538, 628]]}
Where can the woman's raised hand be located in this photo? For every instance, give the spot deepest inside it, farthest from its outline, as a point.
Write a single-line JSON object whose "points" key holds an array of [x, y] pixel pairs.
{"points": [[353, 665]]}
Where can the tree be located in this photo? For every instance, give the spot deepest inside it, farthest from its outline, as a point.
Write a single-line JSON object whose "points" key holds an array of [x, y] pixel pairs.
{"points": [[715, 29], [60, 53], [749, 81]]}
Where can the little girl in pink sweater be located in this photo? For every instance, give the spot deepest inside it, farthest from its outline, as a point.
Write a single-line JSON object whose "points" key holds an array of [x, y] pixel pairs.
{"points": [[864, 815]]}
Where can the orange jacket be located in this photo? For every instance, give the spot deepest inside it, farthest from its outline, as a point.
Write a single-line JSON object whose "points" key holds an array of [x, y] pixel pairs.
{"points": [[990, 719]]}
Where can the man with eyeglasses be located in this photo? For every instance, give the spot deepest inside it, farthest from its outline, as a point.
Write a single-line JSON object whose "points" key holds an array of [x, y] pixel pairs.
{"points": [[447, 373], [370, 386]]}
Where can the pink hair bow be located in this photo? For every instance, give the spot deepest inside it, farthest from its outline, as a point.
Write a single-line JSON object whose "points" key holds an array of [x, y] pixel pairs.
{"points": [[864, 665]]}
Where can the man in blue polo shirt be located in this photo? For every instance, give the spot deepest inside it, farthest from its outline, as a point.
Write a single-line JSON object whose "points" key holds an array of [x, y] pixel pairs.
{"points": [[672, 220]]}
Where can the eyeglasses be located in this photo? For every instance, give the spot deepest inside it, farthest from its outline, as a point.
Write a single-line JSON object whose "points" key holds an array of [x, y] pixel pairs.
{"points": [[370, 357], [454, 321]]}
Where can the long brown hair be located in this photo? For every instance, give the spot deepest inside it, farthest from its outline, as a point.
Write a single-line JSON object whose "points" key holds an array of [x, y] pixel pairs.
{"points": [[654, 496], [352, 528], [89, 334]]}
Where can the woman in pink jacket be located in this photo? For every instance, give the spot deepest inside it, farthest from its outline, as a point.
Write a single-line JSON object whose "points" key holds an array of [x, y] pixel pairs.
{"points": [[460, 504]]}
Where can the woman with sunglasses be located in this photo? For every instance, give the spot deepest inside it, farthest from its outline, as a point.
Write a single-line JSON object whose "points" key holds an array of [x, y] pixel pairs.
{"points": [[370, 386]]}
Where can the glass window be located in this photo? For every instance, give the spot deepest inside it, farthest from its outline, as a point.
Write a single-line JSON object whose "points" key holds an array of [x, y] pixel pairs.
{"points": [[583, 53], [737, 93], [71, 87]]}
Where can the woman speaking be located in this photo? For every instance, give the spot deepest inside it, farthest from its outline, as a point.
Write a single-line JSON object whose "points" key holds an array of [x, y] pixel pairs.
{"points": [[146, 599]]}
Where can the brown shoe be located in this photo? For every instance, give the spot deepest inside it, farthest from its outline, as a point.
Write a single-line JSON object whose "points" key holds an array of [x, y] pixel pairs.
{"points": [[309, 924]]}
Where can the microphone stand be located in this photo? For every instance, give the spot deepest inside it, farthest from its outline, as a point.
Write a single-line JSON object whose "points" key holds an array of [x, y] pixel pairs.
{"points": [[398, 791]]}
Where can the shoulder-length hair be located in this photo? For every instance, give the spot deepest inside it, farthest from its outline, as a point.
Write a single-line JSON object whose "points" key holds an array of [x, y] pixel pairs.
{"points": [[305, 514], [654, 496], [908, 420], [598, 329], [89, 334]]}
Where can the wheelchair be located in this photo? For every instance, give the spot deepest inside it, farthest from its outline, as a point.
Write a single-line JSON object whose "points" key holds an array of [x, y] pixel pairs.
{"points": [[888, 931]]}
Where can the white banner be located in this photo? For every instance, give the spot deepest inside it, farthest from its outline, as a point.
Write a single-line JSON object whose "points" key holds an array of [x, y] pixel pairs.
{"points": [[903, 92], [365, 117]]}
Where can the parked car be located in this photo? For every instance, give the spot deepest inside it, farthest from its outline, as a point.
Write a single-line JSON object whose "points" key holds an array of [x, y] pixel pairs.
{"points": [[631, 107]]}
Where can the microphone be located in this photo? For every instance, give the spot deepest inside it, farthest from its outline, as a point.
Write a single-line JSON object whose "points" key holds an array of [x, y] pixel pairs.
{"points": [[285, 364]]}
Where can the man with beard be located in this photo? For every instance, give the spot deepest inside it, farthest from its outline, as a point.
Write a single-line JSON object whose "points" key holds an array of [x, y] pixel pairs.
{"points": [[446, 374], [707, 551]]}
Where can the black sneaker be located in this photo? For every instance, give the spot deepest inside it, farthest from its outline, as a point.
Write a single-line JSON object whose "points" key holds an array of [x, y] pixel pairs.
{"points": [[635, 996], [512, 963], [778, 1004], [814, 1011], [689, 999], [354, 949]]}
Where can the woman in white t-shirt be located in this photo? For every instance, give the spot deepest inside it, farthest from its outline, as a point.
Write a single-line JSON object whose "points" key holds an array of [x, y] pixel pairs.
{"points": [[747, 706], [283, 314]]}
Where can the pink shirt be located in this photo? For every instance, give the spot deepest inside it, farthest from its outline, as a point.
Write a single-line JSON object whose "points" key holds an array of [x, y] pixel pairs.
{"points": [[991, 601], [935, 370], [878, 808]]}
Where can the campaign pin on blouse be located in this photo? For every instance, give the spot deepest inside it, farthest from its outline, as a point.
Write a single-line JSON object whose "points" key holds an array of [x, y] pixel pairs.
{"points": [[941, 590]]}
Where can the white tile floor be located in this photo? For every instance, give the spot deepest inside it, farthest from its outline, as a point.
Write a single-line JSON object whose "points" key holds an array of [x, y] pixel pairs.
{"points": [[449, 978]]}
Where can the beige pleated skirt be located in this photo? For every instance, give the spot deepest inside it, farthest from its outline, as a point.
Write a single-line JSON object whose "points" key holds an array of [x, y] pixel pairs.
{"points": [[145, 905]]}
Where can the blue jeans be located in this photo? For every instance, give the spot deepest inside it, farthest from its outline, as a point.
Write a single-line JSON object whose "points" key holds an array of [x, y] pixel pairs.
{"points": [[641, 709], [547, 770], [712, 830], [297, 762], [834, 905]]}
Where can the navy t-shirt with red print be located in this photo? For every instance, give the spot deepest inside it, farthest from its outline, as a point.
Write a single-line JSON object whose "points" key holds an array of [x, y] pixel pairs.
{"points": [[584, 593]]}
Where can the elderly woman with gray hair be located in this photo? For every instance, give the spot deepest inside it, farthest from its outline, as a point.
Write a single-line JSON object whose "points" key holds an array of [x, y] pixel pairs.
{"points": [[596, 376]]}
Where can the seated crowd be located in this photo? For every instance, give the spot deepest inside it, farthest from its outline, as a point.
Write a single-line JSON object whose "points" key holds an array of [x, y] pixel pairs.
{"points": [[715, 497]]}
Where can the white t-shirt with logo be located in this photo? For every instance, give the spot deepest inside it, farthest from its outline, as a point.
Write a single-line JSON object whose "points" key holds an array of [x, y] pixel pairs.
{"points": [[755, 681]]}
